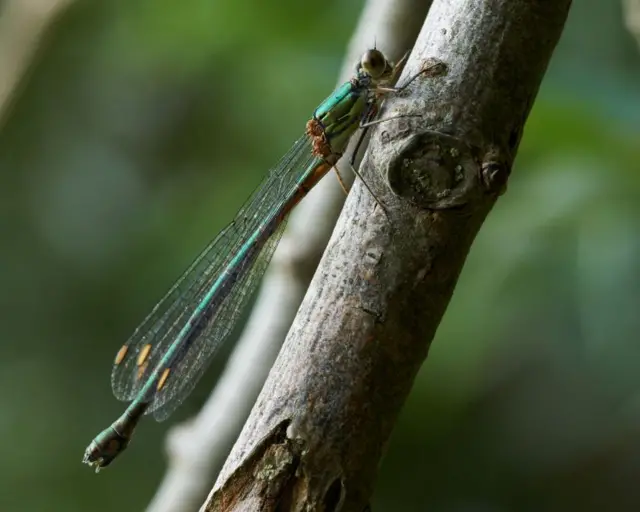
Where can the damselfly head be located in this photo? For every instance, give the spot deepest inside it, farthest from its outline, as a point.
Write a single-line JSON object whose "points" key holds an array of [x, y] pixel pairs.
{"points": [[375, 64]]}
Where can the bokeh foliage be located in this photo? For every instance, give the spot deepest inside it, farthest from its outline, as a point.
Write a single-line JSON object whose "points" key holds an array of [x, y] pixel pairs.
{"points": [[138, 132]]}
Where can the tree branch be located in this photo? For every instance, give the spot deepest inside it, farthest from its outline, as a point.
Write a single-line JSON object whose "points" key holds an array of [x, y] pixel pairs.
{"points": [[631, 9], [22, 25], [315, 437], [197, 449]]}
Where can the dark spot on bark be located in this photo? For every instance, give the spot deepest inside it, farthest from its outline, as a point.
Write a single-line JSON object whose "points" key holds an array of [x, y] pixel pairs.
{"points": [[514, 137], [333, 495]]}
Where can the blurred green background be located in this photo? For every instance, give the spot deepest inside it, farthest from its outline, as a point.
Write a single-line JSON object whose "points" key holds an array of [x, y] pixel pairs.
{"points": [[139, 130]]}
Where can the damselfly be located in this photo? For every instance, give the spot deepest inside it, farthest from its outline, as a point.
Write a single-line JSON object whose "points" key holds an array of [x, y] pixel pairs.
{"points": [[166, 355]]}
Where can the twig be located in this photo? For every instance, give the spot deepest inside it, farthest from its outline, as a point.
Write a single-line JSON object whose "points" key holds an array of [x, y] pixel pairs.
{"points": [[22, 25], [631, 10]]}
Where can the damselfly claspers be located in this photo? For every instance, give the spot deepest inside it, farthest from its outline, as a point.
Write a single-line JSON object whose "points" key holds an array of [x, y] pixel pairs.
{"points": [[161, 362]]}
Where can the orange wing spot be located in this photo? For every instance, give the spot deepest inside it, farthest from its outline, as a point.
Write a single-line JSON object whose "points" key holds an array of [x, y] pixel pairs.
{"points": [[121, 354], [141, 370], [144, 353], [163, 378]]}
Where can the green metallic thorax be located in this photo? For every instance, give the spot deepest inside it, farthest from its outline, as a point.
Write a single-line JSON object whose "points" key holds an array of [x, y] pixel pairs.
{"points": [[341, 113]]}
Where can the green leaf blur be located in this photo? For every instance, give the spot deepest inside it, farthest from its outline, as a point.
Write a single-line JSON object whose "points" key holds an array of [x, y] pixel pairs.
{"points": [[140, 129]]}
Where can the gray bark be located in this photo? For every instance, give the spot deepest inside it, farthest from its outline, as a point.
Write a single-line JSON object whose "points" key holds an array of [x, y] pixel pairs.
{"points": [[315, 438]]}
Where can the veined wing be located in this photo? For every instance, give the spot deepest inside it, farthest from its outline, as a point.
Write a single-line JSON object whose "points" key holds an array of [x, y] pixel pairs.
{"points": [[191, 363], [142, 352]]}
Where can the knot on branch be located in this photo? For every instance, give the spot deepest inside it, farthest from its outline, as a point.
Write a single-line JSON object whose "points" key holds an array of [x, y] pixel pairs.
{"points": [[434, 171], [495, 171]]}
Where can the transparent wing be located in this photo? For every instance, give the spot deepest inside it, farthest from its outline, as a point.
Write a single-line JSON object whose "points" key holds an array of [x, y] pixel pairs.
{"points": [[142, 352], [191, 364]]}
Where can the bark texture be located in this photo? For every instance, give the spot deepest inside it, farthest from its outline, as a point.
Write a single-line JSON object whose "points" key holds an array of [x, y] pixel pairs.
{"points": [[317, 433]]}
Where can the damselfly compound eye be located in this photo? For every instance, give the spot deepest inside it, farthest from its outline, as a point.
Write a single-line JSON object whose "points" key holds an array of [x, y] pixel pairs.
{"points": [[374, 63]]}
